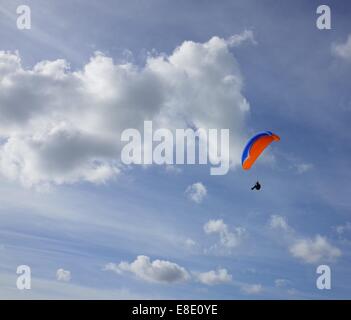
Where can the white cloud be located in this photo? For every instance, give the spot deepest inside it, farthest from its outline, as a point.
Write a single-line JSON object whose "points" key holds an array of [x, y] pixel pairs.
{"points": [[189, 243], [314, 250], [303, 167], [63, 275], [252, 288], [228, 239], [196, 192], [341, 229], [238, 39], [278, 222], [343, 50], [173, 169], [153, 271], [309, 250], [279, 283], [213, 277], [162, 271], [63, 126]]}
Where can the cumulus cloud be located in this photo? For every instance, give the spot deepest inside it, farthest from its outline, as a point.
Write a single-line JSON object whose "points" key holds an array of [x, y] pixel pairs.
{"points": [[314, 250], [213, 277], [308, 250], [237, 39], [196, 192], [343, 50], [252, 288], [161, 271], [227, 239], [63, 126], [278, 222], [63, 275]]}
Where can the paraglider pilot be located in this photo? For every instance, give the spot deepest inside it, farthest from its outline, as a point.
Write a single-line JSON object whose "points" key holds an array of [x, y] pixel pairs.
{"points": [[257, 186]]}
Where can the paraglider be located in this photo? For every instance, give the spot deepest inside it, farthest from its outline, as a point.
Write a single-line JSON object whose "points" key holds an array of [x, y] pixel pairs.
{"points": [[254, 148]]}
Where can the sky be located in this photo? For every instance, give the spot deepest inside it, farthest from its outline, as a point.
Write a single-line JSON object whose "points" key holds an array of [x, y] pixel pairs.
{"points": [[91, 227]]}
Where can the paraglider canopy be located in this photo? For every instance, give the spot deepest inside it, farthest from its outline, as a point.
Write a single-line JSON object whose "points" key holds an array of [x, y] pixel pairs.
{"points": [[255, 146]]}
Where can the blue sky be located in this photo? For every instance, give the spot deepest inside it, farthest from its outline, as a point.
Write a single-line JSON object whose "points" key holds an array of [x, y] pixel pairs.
{"points": [[61, 210]]}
